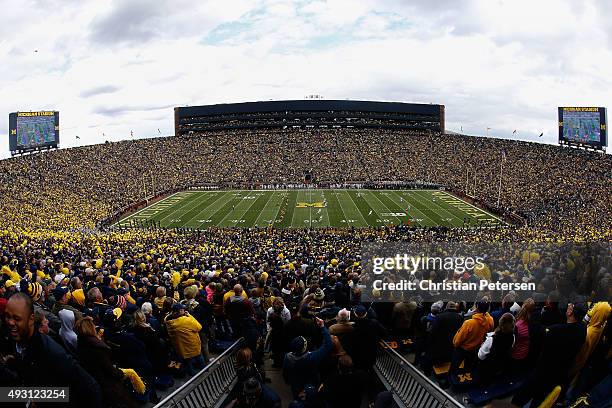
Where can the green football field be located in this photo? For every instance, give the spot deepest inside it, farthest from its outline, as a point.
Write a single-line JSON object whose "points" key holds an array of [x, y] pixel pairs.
{"points": [[310, 208]]}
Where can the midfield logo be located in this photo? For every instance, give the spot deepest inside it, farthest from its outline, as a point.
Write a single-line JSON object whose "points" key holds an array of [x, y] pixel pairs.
{"points": [[319, 204]]}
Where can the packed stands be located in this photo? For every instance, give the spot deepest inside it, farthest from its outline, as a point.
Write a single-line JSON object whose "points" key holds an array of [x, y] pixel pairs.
{"points": [[120, 314]]}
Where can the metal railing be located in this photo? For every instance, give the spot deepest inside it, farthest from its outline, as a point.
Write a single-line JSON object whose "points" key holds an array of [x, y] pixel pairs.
{"points": [[210, 387], [409, 386]]}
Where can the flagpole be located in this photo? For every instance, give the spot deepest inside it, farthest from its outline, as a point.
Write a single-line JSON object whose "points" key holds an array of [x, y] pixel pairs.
{"points": [[501, 169]]}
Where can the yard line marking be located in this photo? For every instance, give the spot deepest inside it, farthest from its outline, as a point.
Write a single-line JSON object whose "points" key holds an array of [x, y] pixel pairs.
{"points": [[367, 224], [424, 215], [132, 215], [182, 209]]}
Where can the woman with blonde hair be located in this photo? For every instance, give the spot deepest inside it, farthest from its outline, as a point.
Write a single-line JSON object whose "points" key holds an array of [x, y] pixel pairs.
{"points": [[155, 347]]}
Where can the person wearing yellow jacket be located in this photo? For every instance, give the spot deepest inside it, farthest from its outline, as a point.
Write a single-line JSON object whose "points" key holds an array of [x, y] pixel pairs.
{"points": [[471, 335], [597, 318], [184, 332]]}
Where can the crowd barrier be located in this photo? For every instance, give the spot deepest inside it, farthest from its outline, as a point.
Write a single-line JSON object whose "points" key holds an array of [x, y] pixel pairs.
{"points": [[210, 387], [410, 388]]}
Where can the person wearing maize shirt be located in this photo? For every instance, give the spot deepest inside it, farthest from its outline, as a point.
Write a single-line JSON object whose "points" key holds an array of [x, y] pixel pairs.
{"points": [[470, 336], [184, 332]]}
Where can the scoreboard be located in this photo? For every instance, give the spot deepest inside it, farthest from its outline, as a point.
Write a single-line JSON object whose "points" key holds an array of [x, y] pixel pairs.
{"points": [[583, 126], [33, 130]]}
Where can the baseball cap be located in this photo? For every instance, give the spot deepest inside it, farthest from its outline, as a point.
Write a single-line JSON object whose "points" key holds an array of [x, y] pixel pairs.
{"points": [[360, 311], [60, 291], [178, 306]]}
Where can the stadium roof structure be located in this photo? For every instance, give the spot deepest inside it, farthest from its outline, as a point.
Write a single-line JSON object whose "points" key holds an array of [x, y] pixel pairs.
{"points": [[309, 113]]}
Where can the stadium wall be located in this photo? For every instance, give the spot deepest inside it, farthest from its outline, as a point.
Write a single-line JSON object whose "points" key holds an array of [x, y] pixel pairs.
{"points": [[308, 114]]}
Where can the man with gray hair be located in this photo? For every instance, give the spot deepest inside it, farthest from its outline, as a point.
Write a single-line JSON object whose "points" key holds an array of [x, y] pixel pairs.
{"points": [[344, 330]]}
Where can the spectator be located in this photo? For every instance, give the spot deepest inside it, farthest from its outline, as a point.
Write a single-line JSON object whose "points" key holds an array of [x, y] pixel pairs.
{"points": [[62, 297], [443, 330], [276, 317], [301, 366], [561, 344], [41, 361], [520, 350], [67, 334], [367, 334], [344, 330], [494, 353], [96, 358], [237, 307], [471, 335], [184, 330], [345, 389]]}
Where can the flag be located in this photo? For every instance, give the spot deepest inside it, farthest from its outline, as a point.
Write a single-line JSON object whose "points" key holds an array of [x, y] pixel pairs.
{"points": [[77, 137], [132, 133], [159, 131], [541, 134], [488, 128], [462, 128], [514, 131]]}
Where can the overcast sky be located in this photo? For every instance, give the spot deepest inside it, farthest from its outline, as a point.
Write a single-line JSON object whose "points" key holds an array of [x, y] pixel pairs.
{"points": [[114, 66]]}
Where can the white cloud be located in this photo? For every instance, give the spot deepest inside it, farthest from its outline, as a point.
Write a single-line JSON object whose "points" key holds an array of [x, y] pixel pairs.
{"points": [[113, 66]]}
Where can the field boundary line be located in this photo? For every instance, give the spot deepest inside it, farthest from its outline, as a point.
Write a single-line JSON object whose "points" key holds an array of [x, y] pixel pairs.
{"points": [[453, 216], [142, 209], [479, 209]]}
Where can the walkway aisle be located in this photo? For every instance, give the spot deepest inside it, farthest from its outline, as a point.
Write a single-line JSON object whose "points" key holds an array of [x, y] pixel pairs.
{"points": [[278, 384]]}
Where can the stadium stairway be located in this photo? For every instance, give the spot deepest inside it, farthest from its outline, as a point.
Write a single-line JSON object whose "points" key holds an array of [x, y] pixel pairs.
{"points": [[212, 386]]}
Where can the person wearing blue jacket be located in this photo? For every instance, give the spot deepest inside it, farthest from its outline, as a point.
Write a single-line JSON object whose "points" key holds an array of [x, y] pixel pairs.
{"points": [[301, 367]]}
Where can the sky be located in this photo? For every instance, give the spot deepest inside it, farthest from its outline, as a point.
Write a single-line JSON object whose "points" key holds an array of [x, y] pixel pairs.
{"points": [[116, 68]]}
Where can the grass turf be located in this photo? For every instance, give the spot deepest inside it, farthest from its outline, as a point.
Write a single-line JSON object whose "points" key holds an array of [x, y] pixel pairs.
{"points": [[310, 208]]}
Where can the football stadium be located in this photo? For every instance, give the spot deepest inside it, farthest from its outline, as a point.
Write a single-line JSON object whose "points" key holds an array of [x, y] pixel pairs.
{"points": [[303, 253], [310, 208]]}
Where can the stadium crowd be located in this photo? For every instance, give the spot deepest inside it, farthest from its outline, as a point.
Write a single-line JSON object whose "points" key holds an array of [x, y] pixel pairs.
{"points": [[562, 192], [119, 314]]}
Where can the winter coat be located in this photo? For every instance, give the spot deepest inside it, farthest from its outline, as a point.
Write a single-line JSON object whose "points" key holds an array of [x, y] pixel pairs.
{"points": [[95, 356], [184, 334], [443, 330], [44, 363], [365, 342], [303, 369], [473, 331]]}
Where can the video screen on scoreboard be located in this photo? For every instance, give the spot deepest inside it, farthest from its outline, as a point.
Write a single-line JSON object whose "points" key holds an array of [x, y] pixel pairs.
{"points": [[30, 130], [586, 125]]}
